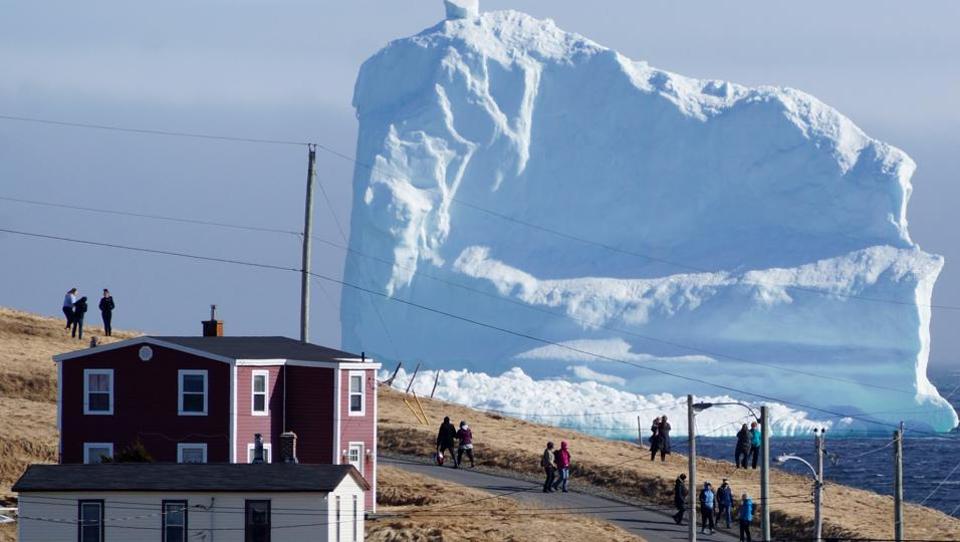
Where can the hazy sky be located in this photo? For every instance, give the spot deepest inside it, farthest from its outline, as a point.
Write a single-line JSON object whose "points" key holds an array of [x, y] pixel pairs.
{"points": [[284, 69]]}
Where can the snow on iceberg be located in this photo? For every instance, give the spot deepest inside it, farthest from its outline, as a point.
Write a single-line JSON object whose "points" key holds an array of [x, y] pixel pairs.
{"points": [[528, 178]]}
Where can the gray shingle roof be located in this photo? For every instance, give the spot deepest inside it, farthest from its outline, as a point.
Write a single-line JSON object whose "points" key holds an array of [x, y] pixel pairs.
{"points": [[271, 477], [260, 348]]}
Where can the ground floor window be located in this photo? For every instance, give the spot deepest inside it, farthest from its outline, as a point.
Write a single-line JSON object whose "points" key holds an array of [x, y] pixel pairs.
{"points": [[174, 521], [90, 521], [257, 524], [96, 452], [267, 452], [191, 452]]}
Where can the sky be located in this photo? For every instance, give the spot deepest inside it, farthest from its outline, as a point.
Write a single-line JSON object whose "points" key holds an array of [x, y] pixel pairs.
{"points": [[285, 70]]}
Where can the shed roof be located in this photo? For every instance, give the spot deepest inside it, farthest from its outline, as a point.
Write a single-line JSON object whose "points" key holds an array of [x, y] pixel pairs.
{"points": [[260, 348], [187, 477]]}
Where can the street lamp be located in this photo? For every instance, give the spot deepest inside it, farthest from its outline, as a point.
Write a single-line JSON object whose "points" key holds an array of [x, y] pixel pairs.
{"points": [[817, 481], [762, 419]]}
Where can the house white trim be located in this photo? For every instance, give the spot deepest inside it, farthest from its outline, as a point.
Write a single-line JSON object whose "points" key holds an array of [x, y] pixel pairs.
{"points": [[88, 445], [362, 393], [181, 446], [373, 445], [59, 412], [267, 452], [337, 377], [233, 414], [266, 393], [86, 391], [206, 392]]}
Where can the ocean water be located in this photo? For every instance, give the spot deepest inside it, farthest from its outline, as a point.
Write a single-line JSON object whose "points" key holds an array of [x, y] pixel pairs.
{"points": [[931, 464]]}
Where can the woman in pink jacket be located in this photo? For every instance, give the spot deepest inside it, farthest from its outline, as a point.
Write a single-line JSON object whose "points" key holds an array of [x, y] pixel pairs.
{"points": [[561, 458]]}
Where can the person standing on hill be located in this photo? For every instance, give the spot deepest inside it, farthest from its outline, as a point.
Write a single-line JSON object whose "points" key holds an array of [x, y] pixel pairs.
{"points": [[561, 458], [68, 300], [663, 432], [755, 439], [654, 438], [549, 468], [465, 436], [743, 447], [708, 501], [725, 502], [680, 498], [745, 515], [106, 311], [445, 441], [79, 310]]}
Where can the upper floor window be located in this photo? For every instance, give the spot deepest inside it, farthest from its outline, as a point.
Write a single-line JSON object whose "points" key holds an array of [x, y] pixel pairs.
{"points": [[193, 392], [261, 379], [96, 452], [174, 521], [188, 452], [357, 402], [90, 521], [98, 391]]}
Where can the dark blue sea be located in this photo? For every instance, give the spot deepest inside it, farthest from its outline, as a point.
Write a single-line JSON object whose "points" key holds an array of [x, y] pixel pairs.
{"points": [[931, 469]]}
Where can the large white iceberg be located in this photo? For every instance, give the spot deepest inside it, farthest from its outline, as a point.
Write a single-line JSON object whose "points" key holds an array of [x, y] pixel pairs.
{"points": [[528, 178]]}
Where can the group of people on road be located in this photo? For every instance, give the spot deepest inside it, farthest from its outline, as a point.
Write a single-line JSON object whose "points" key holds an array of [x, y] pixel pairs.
{"points": [[714, 505], [556, 467], [748, 446], [445, 441], [660, 438], [75, 308]]}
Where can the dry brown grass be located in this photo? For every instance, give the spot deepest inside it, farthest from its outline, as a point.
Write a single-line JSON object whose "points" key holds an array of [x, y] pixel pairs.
{"points": [[621, 468], [482, 519]]}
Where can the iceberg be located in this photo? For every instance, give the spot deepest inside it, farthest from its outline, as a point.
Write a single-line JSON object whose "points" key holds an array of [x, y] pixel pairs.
{"points": [[592, 218]]}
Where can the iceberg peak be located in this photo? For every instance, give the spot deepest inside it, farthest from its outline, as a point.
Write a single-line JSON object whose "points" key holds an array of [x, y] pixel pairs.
{"points": [[461, 9]]}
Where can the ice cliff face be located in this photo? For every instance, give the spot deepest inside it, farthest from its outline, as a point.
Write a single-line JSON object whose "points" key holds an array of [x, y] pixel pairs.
{"points": [[530, 178]]}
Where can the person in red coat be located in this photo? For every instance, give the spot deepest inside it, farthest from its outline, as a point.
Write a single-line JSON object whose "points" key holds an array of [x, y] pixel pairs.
{"points": [[465, 436], [561, 458]]}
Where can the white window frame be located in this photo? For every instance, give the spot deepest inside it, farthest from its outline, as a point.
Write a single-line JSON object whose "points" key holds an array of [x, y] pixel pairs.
{"points": [[360, 447], [87, 373], [351, 393], [266, 393], [181, 446], [206, 395], [337, 518], [267, 452], [88, 445], [356, 518]]}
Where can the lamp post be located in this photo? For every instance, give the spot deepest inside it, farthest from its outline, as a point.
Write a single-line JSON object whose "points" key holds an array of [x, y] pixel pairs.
{"points": [[692, 459], [817, 481]]}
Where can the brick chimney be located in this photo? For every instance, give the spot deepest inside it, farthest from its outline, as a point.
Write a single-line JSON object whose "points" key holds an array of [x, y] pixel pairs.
{"points": [[213, 327], [288, 447]]}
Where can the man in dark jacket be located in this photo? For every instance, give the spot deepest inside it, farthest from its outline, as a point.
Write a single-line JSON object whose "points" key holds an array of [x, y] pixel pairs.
{"points": [[663, 434], [549, 468], [106, 311], [743, 447], [680, 498], [445, 439], [725, 502], [79, 309]]}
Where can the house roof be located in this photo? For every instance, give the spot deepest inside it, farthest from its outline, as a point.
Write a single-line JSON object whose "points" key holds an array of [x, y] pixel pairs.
{"points": [[227, 477]]}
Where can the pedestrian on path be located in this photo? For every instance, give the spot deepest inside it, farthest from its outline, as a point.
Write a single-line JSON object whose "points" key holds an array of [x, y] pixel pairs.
{"points": [[743, 447], [755, 435], [549, 468], [106, 312], [708, 502], [680, 498], [746, 517], [561, 458], [68, 300], [445, 441], [663, 430], [654, 438], [725, 502], [79, 310], [465, 436]]}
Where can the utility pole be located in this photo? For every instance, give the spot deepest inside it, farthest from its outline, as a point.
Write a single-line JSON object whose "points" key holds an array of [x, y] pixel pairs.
{"points": [[898, 484], [765, 473], [692, 476], [307, 233], [818, 488]]}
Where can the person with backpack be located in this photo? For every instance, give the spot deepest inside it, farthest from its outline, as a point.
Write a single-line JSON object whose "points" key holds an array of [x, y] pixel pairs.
{"points": [[79, 309], [445, 441], [465, 436], [68, 301], [654, 438], [663, 432], [708, 501], [561, 458], [755, 439], [549, 468], [106, 312], [745, 515], [725, 502], [743, 447], [680, 498]]}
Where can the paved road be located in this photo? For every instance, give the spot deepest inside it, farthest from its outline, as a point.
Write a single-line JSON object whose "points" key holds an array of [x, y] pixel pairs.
{"points": [[653, 525]]}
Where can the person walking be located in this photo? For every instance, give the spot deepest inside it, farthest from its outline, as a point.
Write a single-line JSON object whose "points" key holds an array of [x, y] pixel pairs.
{"points": [[743, 447], [745, 515], [680, 498], [755, 436], [561, 458], [725, 503], [654, 438], [465, 437], [79, 309], [68, 301], [106, 311], [663, 432], [549, 468], [445, 441], [708, 501]]}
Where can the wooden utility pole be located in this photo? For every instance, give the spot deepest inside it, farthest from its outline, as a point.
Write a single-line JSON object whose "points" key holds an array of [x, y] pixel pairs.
{"points": [[692, 482], [765, 473], [307, 233], [898, 484], [818, 490], [639, 432]]}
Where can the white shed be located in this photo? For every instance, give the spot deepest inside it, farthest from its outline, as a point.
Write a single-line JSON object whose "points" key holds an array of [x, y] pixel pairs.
{"points": [[181, 502]]}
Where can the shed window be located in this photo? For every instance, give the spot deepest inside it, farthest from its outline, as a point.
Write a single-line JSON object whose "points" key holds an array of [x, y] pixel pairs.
{"points": [[96, 452], [356, 393], [90, 521], [257, 523], [98, 391], [193, 393], [260, 381], [174, 521], [190, 452]]}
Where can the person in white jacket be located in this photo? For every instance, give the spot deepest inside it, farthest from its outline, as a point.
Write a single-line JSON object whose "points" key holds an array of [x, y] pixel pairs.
{"points": [[68, 302]]}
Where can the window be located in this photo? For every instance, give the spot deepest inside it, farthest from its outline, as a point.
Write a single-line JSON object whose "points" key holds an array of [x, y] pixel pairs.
{"points": [[355, 455], [95, 452], [191, 452], [257, 523], [98, 391], [356, 522], [337, 519], [193, 393], [357, 402], [174, 521], [266, 452], [260, 381], [90, 521]]}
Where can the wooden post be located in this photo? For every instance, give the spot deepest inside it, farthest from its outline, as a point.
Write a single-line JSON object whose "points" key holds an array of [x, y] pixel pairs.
{"points": [[414, 377], [898, 484], [389, 381], [435, 381], [639, 432]]}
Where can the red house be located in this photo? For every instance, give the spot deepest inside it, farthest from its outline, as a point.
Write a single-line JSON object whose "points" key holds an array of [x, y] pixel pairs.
{"points": [[202, 399]]}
